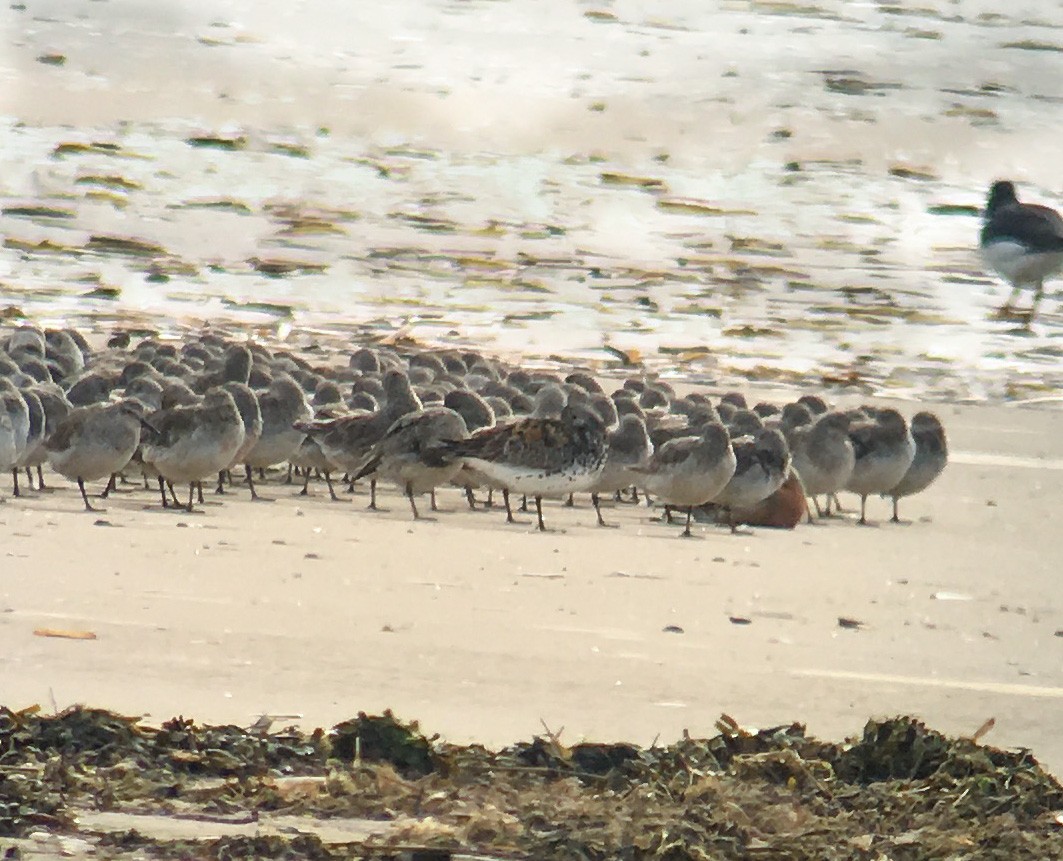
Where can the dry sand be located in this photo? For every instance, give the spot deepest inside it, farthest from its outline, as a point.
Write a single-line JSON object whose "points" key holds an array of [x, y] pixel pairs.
{"points": [[481, 629], [478, 629]]}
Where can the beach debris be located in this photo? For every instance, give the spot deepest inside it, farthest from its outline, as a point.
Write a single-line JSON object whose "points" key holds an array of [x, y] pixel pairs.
{"points": [[64, 634], [899, 786], [228, 143], [624, 179], [383, 738]]}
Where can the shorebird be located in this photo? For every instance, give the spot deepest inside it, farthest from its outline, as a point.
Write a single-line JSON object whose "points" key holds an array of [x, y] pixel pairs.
{"points": [[689, 471], [14, 406], [346, 441], [477, 413], [93, 442], [762, 464], [8, 449], [538, 456], [1022, 242], [310, 459], [281, 407], [56, 407], [884, 449], [931, 456], [251, 414], [235, 367], [823, 456], [629, 447], [187, 444], [34, 436], [415, 452]]}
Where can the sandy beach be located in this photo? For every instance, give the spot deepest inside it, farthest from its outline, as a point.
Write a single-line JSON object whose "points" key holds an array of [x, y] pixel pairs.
{"points": [[304, 606], [768, 197]]}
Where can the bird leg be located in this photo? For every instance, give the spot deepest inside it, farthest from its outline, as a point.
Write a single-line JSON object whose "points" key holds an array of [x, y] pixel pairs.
{"points": [[14, 478], [539, 513], [413, 504], [331, 489], [191, 496], [470, 498], [306, 483], [162, 492], [1039, 292], [863, 504], [199, 492], [596, 502], [686, 533], [509, 511], [571, 501], [251, 481], [432, 496], [221, 481], [372, 494], [85, 496], [895, 518], [110, 486], [40, 478]]}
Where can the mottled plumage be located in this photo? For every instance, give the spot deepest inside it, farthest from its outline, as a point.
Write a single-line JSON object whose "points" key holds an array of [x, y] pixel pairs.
{"points": [[539, 456]]}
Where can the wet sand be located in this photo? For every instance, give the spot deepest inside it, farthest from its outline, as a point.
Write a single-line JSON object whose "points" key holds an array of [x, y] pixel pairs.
{"points": [[439, 170], [682, 186]]}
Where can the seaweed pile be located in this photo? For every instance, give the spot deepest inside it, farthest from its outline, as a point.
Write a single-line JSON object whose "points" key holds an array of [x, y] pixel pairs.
{"points": [[901, 791]]}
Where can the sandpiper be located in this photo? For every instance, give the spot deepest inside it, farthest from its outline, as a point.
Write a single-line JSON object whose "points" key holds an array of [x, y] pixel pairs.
{"points": [[14, 406], [56, 407], [823, 456], [1022, 242], [931, 456], [538, 456], [477, 413], [34, 436], [762, 464], [689, 471], [629, 447], [251, 414], [415, 452], [93, 442], [187, 444], [8, 449], [281, 406], [346, 441], [884, 449]]}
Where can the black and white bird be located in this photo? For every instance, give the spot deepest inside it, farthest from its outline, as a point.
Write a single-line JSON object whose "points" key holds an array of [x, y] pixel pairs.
{"points": [[1022, 242]]}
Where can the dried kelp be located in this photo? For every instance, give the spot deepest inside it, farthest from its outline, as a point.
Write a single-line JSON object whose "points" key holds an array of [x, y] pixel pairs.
{"points": [[901, 791]]}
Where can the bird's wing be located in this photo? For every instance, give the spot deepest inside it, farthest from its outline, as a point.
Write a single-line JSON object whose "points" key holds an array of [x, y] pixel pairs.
{"points": [[1037, 227]]}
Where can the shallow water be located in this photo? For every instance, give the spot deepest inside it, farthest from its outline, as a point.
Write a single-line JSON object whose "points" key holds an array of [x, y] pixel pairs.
{"points": [[770, 191]]}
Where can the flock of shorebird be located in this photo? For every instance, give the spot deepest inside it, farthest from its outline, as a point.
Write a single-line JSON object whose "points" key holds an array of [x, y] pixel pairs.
{"points": [[181, 414]]}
